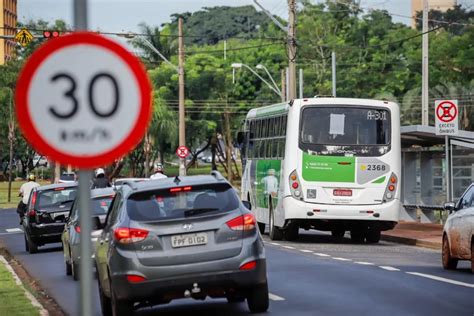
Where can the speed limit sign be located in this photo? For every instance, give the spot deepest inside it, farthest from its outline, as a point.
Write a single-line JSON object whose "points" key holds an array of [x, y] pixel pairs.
{"points": [[83, 100]]}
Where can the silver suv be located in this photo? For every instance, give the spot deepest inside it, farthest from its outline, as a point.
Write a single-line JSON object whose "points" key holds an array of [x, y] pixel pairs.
{"points": [[179, 238]]}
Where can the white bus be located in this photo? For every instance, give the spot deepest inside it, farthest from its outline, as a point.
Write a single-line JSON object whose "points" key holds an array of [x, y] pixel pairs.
{"points": [[330, 164]]}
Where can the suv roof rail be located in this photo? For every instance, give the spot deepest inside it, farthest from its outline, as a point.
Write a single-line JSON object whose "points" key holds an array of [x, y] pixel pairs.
{"points": [[216, 174]]}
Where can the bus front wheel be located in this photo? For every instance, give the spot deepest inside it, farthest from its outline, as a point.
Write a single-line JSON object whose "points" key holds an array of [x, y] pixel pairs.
{"points": [[373, 235]]}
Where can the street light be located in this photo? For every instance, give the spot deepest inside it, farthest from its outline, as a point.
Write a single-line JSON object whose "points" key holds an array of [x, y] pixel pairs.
{"points": [[240, 65], [260, 66]]}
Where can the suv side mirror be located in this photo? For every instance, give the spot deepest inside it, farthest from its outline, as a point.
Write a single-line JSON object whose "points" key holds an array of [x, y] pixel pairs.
{"points": [[450, 206], [96, 224], [247, 204]]}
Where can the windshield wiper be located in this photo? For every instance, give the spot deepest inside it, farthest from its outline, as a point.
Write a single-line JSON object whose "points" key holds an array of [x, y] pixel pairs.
{"points": [[197, 211]]}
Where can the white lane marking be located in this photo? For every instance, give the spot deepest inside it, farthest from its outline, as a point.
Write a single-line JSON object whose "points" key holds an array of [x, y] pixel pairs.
{"points": [[275, 297], [341, 259], [437, 278], [364, 263], [275, 243], [321, 254], [307, 251], [288, 247], [14, 230], [389, 268]]}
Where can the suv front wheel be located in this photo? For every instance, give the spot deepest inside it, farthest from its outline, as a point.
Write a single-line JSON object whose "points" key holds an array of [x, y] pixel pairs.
{"points": [[257, 299]]}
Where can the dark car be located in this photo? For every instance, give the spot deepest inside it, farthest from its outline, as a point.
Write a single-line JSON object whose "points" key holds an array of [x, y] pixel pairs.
{"points": [[187, 237], [48, 207]]}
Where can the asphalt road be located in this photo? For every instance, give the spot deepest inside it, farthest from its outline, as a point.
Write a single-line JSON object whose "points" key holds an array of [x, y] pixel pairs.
{"points": [[316, 275]]}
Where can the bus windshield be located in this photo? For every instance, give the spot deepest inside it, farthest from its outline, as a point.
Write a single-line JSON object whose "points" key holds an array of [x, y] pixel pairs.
{"points": [[357, 130]]}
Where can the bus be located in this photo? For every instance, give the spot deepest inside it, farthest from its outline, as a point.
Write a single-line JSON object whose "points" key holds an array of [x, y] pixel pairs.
{"points": [[330, 164]]}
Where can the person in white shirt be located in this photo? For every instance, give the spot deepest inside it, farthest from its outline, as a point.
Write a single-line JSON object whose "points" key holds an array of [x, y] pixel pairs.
{"points": [[25, 192], [159, 172], [270, 183]]}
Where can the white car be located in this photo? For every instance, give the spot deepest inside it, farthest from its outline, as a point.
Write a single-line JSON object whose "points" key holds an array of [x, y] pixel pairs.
{"points": [[458, 235]]}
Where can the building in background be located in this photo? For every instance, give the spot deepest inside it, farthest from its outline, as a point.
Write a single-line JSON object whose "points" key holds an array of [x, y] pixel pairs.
{"points": [[8, 18], [440, 5]]}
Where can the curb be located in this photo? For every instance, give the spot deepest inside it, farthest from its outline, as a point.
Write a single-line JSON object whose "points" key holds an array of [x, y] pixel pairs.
{"points": [[412, 242], [29, 296]]}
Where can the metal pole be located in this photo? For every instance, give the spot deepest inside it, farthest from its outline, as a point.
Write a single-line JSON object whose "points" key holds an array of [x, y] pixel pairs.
{"points": [[287, 85], [333, 58], [85, 220], [291, 49], [451, 186], [11, 138], [283, 85], [301, 83], [447, 171], [425, 69], [182, 128]]}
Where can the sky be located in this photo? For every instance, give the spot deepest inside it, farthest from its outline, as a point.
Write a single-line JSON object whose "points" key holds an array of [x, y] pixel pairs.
{"points": [[125, 15]]}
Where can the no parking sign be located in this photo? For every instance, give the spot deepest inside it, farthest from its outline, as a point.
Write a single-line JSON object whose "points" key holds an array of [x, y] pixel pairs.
{"points": [[446, 117]]}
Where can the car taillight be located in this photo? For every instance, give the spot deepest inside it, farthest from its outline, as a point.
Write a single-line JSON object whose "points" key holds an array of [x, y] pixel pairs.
{"points": [[77, 229], [295, 186], [32, 213], [132, 278], [248, 266], [242, 222], [33, 198], [125, 235], [391, 188]]}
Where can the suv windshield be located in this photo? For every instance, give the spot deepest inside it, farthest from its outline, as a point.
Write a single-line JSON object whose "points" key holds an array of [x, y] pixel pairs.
{"points": [[181, 202], [100, 205], [342, 129], [56, 197]]}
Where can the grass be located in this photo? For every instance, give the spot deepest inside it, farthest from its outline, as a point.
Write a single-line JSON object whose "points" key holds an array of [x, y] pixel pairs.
{"points": [[15, 199], [13, 300]]}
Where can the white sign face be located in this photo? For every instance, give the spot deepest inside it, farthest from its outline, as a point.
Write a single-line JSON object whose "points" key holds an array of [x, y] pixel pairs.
{"points": [[446, 117], [80, 107], [84, 100]]}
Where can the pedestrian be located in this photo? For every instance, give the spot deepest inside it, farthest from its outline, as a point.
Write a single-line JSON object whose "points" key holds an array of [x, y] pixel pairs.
{"points": [[159, 172], [25, 191], [100, 180]]}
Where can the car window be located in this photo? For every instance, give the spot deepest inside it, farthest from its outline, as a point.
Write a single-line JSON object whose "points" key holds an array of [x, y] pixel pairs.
{"points": [[181, 202], [73, 213], [55, 197], [467, 199], [100, 205], [114, 207]]}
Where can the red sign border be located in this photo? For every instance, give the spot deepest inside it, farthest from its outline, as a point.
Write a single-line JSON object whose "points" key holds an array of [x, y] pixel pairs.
{"points": [[178, 149], [23, 114], [440, 105]]}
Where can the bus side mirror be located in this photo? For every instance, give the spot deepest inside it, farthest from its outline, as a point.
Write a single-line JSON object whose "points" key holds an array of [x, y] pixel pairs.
{"points": [[450, 206]]}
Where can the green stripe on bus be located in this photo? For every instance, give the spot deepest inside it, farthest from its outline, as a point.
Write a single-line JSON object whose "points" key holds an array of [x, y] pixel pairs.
{"points": [[274, 109], [328, 168], [379, 180]]}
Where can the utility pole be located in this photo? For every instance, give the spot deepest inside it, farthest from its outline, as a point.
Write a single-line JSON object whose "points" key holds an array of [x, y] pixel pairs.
{"points": [[228, 142], [182, 130], [300, 82], [57, 172], [283, 85], [425, 69], [292, 49], [333, 58]]}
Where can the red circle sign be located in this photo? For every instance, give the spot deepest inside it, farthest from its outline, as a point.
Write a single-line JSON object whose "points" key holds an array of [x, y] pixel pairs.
{"points": [[83, 100], [446, 111], [182, 152]]}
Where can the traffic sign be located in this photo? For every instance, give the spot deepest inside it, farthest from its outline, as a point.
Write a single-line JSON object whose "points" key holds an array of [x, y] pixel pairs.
{"points": [[24, 37], [446, 117], [182, 152], [83, 100]]}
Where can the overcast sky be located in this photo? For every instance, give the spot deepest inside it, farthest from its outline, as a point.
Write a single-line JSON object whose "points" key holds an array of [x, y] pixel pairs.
{"points": [[124, 15]]}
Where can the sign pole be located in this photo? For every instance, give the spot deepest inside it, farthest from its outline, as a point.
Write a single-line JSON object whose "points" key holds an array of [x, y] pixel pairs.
{"points": [[85, 220], [447, 171]]}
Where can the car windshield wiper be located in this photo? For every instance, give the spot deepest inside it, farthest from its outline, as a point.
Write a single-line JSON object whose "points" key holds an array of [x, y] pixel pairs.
{"points": [[197, 211]]}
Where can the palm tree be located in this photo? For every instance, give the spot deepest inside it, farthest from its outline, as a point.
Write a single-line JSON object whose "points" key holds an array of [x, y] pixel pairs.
{"points": [[153, 35], [163, 130]]}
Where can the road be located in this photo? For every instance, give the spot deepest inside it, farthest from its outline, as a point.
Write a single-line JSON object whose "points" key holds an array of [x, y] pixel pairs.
{"points": [[316, 275]]}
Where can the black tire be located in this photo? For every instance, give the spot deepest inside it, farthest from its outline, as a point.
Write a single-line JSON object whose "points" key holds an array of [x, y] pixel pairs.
{"points": [[275, 233], [27, 248], [119, 307], [291, 233], [373, 236], [449, 263], [68, 267], [32, 246], [257, 299], [261, 227], [358, 235], [105, 303], [338, 233], [75, 270]]}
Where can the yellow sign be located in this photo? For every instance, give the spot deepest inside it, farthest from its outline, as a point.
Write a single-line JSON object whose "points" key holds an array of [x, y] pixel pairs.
{"points": [[24, 37]]}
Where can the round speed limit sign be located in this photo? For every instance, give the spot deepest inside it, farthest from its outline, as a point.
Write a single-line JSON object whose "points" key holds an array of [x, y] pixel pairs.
{"points": [[84, 100]]}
